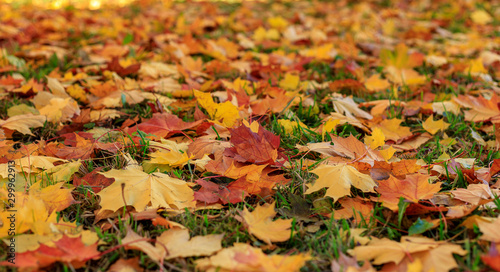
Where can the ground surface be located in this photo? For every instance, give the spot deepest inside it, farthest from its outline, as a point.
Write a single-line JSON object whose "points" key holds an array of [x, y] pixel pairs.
{"points": [[312, 136]]}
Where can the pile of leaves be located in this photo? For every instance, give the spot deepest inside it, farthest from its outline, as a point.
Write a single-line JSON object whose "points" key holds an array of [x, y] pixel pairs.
{"points": [[312, 136]]}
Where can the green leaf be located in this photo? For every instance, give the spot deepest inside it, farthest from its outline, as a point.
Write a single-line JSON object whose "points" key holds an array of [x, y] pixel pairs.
{"points": [[128, 39], [19, 63], [420, 226], [402, 205]]}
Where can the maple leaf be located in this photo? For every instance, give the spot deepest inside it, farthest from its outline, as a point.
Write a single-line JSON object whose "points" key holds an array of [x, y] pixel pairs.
{"points": [[353, 207], [178, 244], [260, 224], [413, 188], [482, 109], [94, 180], [276, 101], [345, 263], [433, 127], [349, 147], [349, 108], [204, 146], [339, 179], [377, 138], [212, 193], [249, 146], [32, 213], [243, 258], [56, 197], [226, 111], [490, 230], [435, 256], [66, 250], [493, 258], [393, 130], [123, 265], [164, 125], [375, 83], [23, 123], [134, 241], [138, 189], [474, 194], [115, 66]]}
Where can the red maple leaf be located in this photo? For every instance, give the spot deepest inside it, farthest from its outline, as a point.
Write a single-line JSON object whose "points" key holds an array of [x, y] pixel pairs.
{"points": [[248, 146], [115, 66], [212, 193], [165, 124], [67, 250]]}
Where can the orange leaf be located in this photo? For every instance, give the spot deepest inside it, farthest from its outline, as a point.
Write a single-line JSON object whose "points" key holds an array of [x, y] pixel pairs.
{"points": [[414, 188]]}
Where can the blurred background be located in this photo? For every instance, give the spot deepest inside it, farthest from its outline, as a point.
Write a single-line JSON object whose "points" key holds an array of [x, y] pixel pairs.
{"points": [[98, 4]]}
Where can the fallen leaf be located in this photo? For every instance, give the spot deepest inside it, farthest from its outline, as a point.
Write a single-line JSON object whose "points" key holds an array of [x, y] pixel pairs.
{"points": [[260, 224], [433, 127], [178, 243], [138, 189], [339, 179], [243, 257], [413, 188], [23, 123]]}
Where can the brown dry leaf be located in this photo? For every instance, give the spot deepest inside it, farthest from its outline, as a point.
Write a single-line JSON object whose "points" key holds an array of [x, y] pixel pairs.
{"points": [[260, 224], [349, 108]]}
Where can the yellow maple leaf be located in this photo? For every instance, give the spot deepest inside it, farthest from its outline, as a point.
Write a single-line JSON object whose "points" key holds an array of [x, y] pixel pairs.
{"points": [[179, 244], [138, 189], [375, 83], [377, 138], [77, 93], [433, 127], [329, 125], [476, 67], [227, 112], [393, 130], [339, 179], [289, 126], [290, 82], [260, 224], [388, 153]]}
